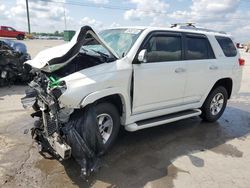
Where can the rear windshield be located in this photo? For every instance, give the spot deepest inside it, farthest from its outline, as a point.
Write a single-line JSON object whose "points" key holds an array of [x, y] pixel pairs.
{"points": [[227, 46]]}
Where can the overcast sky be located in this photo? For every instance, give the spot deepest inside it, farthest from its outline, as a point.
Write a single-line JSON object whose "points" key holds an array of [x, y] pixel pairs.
{"points": [[232, 16]]}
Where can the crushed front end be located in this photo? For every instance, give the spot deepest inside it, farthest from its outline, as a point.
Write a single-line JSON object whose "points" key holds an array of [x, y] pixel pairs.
{"points": [[43, 96], [62, 131]]}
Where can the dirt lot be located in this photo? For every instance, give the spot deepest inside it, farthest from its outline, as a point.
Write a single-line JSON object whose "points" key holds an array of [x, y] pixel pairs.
{"points": [[188, 153]]}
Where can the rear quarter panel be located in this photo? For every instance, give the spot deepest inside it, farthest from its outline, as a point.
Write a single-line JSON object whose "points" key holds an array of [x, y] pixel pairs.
{"points": [[228, 67]]}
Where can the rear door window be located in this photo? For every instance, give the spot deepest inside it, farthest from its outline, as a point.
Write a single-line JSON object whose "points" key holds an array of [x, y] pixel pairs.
{"points": [[198, 48], [227, 46], [163, 48]]}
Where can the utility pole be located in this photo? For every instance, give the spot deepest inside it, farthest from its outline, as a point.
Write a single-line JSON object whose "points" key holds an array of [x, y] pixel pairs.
{"points": [[65, 20], [28, 15]]}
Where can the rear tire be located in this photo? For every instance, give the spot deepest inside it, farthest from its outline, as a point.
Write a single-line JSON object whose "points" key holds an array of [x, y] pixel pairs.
{"points": [[108, 120], [214, 105], [20, 37]]}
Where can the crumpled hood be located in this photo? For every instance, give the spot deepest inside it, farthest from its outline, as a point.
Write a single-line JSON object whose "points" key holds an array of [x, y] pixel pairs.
{"points": [[43, 58], [64, 53]]}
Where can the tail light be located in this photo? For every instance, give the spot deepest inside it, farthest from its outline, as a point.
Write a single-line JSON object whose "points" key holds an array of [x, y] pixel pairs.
{"points": [[241, 62]]}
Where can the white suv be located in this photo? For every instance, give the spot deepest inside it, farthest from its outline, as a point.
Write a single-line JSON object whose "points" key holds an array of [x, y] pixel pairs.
{"points": [[137, 77]]}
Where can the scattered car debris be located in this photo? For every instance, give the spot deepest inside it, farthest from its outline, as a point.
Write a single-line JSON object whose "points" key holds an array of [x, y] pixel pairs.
{"points": [[12, 57]]}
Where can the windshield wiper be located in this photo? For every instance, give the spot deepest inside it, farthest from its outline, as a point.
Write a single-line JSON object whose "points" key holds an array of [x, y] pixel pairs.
{"points": [[105, 57], [101, 53]]}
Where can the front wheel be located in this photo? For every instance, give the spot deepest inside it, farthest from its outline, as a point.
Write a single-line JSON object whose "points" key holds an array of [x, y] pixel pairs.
{"points": [[108, 120], [214, 105]]}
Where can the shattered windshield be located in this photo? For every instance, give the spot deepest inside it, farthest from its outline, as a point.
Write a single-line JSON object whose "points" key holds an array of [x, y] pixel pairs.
{"points": [[93, 47], [120, 40]]}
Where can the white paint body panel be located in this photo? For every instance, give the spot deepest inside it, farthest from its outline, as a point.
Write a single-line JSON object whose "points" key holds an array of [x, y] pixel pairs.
{"points": [[154, 88]]}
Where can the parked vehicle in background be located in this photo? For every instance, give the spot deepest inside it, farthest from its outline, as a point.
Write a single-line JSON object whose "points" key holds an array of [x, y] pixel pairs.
{"points": [[248, 47], [6, 31], [29, 36], [12, 57], [239, 45], [137, 77], [48, 37]]}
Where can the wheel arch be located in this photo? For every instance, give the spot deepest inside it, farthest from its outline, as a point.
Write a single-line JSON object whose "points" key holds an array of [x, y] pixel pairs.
{"points": [[115, 98], [225, 82]]}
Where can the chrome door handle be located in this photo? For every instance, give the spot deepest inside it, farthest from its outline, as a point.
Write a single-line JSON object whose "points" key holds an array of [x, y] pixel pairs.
{"points": [[180, 70], [213, 67]]}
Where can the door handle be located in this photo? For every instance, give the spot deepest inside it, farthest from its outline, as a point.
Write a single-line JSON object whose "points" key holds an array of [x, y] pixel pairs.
{"points": [[180, 70], [213, 67]]}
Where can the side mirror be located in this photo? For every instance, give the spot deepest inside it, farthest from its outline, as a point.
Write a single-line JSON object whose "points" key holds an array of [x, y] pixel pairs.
{"points": [[142, 56]]}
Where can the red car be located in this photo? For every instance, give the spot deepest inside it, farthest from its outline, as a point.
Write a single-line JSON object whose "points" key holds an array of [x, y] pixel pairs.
{"points": [[6, 31]]}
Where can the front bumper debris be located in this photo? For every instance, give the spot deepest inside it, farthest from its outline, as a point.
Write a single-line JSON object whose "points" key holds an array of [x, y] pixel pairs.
{"points": [[64, 132]]}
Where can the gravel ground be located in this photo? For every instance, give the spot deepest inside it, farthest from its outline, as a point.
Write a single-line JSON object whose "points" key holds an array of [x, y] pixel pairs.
{"points": [[188, 153]]}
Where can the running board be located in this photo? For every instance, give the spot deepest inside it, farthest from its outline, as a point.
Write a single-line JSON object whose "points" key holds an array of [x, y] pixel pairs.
{"points": [[152, 122]]}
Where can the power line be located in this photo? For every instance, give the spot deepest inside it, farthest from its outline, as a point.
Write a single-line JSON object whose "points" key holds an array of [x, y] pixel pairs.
{"points": [[75, 3], [245, 1]]}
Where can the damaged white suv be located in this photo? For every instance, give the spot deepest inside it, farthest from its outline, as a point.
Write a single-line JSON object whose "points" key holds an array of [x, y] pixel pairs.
{"points": [[133, 77]]}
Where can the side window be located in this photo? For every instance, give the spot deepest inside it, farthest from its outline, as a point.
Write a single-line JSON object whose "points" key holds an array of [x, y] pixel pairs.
{"points": [[164, 48], [198, 48], [10, 29], [227, 46]]}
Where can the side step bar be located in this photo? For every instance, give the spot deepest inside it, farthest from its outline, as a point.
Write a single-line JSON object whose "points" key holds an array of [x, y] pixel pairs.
{"points": [[162, 120]]}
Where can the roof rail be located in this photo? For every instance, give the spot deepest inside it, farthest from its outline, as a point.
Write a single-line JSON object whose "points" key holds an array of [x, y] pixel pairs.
{"points": [[193, 27], [188, 24]]}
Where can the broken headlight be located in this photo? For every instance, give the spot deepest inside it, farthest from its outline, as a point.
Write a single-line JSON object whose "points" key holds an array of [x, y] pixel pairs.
{"points": [[56, 87]]}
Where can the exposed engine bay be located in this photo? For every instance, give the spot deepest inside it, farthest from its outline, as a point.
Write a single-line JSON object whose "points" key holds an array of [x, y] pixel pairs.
{"points": [[60, 130], [80, 62], [12, 68]]}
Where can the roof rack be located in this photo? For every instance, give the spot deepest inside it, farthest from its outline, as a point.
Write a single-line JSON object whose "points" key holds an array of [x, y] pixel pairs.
{"points": [[191, 26], [188, 24]]}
